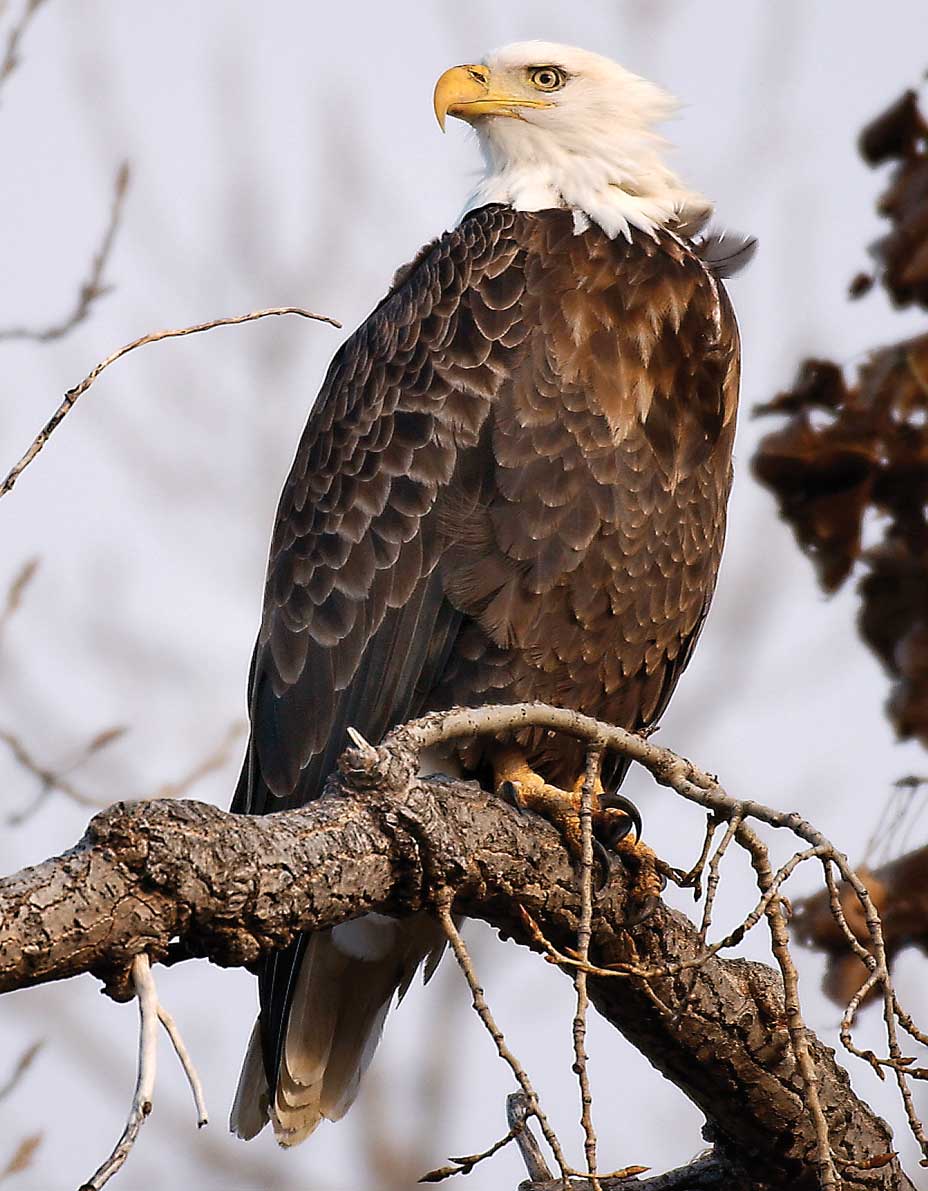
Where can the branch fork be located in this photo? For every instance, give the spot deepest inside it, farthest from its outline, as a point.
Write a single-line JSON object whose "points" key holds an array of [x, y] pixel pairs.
{"points": [[151, 1012]]}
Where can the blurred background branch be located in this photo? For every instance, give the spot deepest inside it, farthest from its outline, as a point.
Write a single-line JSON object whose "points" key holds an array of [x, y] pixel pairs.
{"points": [[93, 287], [14, 37]]}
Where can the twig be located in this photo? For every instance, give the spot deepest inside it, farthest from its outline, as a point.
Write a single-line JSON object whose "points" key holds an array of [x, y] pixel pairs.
{"points": [[72, 395], [693, 878], [151, 1011], [92, 287], [467, 1164], [10, 58], [696, 786], [634, 971], [518, 1111], [193, 1076], [594, 758], [461, 954], [52, 780], [210, 764], [22, 1156], [847, 1022], [23, 1063], [779, 941], [145, 1081], [712, 882]]}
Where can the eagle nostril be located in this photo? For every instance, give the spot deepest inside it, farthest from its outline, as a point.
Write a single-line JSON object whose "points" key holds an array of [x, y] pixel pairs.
{"points": [[478, 74]]}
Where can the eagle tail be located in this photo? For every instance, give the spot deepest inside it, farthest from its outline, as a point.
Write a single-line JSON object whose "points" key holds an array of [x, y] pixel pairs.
{"points": [[343, 990], [250, 1107]]}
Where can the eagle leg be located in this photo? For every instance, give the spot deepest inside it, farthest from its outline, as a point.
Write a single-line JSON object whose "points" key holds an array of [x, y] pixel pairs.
{"points": [[515, 780], [614, 817], [614, 820]]}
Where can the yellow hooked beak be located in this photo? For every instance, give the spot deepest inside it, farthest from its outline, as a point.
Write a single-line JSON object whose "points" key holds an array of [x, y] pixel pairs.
{"points": [[467, 92]]}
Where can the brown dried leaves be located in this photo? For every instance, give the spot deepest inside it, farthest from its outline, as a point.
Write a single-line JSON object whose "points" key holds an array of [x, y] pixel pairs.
{"points": [[900, 134], [850, 454]]}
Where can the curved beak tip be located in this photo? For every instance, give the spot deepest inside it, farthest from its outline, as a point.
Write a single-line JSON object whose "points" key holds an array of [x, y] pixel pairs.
{"points": [[460, 84]]}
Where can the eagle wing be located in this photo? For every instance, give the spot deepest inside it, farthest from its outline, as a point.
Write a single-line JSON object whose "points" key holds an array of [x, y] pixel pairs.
{"points": [[358, 534], [356, 627]]}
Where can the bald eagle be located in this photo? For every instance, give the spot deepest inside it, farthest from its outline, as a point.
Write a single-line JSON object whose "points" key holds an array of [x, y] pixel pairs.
{"points": [[512, 487]]}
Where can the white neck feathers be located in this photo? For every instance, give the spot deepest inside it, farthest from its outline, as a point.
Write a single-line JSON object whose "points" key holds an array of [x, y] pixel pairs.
{"points": [[593, 150]]}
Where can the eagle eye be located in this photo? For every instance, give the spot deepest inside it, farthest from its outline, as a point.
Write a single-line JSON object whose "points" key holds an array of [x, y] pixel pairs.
{"points": [[547, 78]]}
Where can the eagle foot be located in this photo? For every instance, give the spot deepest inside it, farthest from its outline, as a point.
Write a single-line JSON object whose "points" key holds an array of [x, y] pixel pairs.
{"points": [[614, 817], [647, 880]]}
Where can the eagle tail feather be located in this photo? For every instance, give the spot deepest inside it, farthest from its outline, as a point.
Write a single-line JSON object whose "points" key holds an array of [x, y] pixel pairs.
{"points": [[250, 1108], [343, 991]]}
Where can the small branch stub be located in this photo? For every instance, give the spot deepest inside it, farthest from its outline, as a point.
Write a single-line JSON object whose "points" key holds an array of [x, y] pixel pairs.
{"points": [[151, 1012]]}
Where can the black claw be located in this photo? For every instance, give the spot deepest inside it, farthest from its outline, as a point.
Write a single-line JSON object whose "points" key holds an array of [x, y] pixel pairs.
{"points": [[607, 862], [643, 910], [616, 802], [508, 792]]}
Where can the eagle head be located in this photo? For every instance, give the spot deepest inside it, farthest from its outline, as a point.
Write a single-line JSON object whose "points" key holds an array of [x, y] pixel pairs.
{"points": [[563, 127]]}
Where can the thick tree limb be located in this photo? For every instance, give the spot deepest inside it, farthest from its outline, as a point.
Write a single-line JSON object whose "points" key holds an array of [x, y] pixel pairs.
{"points": [[178, 879]]}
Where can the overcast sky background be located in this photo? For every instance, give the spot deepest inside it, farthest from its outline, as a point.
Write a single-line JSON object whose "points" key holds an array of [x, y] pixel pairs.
{"points": [[288, 154]]}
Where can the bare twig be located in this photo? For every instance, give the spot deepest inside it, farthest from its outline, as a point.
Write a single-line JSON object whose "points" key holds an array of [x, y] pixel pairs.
{"points": [[712, 882], [10, 59], [466, 1165], [594, 758], [151, 1011], [696, 786], [906, 806], [210, 764], [461, 954], [693, 878], [518, 1111], [57, 779], [93, 286], [193, 1076], [779, 939], [637, 972], [145, 1080], [72, 395]]}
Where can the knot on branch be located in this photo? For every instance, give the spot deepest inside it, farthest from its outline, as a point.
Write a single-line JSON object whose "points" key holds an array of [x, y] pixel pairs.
{"points": [[428, 856], [368, 772], [121, 830]]}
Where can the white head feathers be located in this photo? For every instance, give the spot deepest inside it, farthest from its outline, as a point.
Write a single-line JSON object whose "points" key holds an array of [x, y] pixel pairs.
{"points": [[584, 140]]}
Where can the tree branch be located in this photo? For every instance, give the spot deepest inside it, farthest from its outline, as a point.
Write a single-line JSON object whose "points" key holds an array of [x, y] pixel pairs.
{"points": [[181, 879]]}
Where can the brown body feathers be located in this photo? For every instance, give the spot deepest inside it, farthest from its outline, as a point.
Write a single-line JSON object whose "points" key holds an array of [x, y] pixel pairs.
{"points": [[513, 487]]}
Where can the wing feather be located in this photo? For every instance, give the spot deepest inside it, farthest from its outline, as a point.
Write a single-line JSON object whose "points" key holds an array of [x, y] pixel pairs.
{"points": [[357, 626]]}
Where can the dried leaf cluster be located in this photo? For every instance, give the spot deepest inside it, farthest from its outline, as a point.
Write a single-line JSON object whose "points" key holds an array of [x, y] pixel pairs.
{"points": [[852, 456]]}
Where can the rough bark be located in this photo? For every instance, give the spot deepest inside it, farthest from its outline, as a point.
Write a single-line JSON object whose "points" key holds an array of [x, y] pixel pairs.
{"points": [[180, 879]]}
